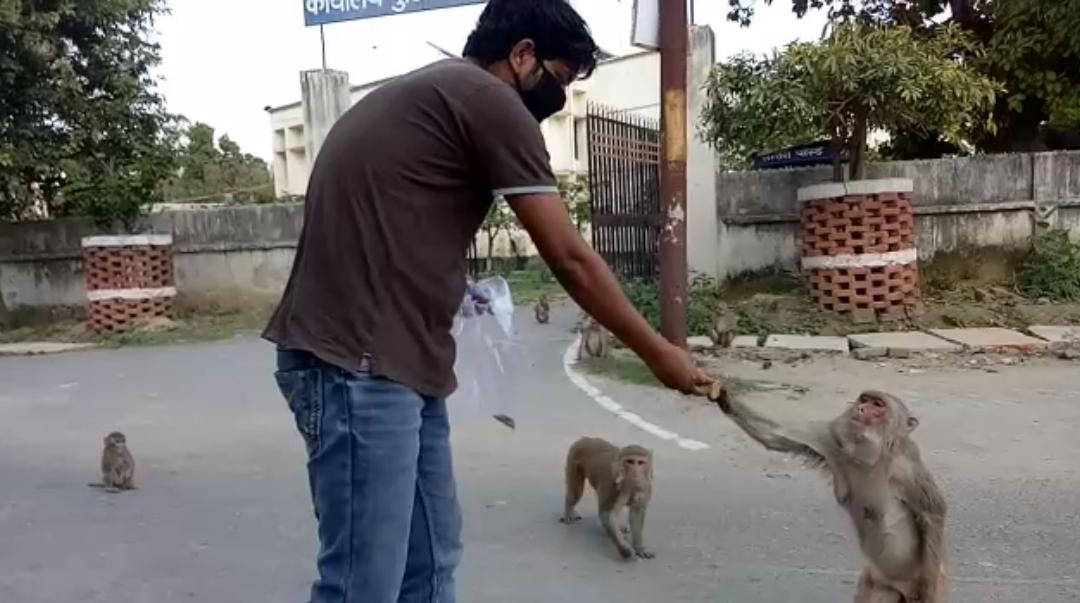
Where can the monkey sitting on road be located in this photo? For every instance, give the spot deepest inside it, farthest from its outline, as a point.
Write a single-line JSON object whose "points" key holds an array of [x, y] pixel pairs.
{"points": [[543, 310], [594, 341], [117, 464], [880, 480], [621, 478], [722, 331]]}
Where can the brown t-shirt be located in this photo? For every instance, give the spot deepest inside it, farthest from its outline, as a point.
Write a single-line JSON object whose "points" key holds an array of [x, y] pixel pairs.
{"points": [[396, 195]]}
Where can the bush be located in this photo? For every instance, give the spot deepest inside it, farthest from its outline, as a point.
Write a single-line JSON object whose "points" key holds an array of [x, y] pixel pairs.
{"points": [[703, 302], [1053, 268]]}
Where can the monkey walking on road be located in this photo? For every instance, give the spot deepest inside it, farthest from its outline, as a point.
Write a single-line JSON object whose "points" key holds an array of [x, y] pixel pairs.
{"points": [[117, 465], [880, 480], [622, 478], [543, 310]]}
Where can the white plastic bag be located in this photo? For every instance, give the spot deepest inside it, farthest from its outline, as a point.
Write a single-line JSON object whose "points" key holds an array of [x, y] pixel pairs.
{"points": [[490, 360]]}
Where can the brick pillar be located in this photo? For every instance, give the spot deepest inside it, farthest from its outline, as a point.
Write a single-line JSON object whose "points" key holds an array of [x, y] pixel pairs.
{"points": [[858, 248], [129, 279]]}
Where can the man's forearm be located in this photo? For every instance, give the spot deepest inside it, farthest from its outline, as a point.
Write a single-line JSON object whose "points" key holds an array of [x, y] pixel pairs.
{"points": [[590, 282]]}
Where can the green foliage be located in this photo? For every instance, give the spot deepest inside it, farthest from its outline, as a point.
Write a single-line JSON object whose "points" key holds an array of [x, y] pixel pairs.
{"points": [[1035, 50], [81, 128], [1030, 46], [1053, 268], [209, 170], [751, 108], [861, 78], [704, 301], [575, 192]]}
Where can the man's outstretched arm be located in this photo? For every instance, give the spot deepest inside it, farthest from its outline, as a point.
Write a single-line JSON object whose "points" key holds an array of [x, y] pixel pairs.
{"points": [[589, 281]]}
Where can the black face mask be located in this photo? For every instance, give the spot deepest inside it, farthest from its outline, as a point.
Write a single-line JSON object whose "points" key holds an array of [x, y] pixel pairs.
{"points": [[546, 98]]}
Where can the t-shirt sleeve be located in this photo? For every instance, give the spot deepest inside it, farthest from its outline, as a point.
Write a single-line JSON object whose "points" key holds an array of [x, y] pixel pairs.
{"points": [[508, 148]]}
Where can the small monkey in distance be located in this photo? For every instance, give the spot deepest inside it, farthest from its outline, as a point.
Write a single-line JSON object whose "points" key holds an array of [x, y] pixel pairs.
{"points": [[621, 477], [594, 341], [880, 480], [543, 310], [723, 327], [117, 464]]}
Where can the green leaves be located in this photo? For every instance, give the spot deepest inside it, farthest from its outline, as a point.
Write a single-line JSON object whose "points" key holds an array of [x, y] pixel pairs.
{"points": [[862, 77], [81, 130]]}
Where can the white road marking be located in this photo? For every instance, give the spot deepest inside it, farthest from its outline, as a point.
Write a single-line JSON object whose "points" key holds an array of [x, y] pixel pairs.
{"points": [[615, 408]]}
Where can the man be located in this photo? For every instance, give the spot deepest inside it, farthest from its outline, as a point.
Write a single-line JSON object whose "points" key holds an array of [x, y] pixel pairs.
{"points": [[398, 191]]}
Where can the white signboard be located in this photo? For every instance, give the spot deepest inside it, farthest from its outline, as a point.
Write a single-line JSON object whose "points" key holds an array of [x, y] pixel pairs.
{"points": [[646, 24]]}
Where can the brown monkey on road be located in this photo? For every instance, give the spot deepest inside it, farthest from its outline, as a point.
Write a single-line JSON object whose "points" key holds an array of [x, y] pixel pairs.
{"points": [[117, 464], [594, 341], [621, 477], [542, 310], [880, 480]]}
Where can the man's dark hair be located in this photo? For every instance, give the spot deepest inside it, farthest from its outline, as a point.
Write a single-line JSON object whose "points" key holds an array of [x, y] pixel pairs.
{"points": [[553, 25]]}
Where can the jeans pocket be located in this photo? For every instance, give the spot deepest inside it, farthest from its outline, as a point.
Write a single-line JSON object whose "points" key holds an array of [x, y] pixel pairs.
{"points": [[302, 389]]}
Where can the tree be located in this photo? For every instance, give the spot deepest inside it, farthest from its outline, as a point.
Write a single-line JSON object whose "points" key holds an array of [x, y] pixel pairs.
{"points": [[1030, 46], [751, 108], [209, 169], [81, 128], [574, 189], [862, 77], [496, 221]]}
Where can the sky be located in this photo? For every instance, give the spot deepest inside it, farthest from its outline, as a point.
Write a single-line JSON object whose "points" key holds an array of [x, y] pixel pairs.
{"points": [[224, 61]]}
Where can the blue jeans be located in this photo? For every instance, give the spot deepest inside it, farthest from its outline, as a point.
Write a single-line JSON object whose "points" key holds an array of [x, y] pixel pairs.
{"points": [[382, 483]]}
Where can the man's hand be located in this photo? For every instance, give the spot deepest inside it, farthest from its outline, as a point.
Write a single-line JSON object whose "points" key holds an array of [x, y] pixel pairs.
{"points": [[675, 368]]}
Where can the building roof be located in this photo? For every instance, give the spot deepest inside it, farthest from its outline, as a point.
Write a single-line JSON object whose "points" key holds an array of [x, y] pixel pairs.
{"points": [[605, 57]]}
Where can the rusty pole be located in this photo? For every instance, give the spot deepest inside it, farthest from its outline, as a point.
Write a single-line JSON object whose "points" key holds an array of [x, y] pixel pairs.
{"points": [[674, 35]]}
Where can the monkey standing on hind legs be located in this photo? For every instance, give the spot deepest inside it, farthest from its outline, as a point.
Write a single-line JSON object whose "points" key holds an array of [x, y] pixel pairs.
{"points": [[621, 477], [880, 480], [117, 464]]}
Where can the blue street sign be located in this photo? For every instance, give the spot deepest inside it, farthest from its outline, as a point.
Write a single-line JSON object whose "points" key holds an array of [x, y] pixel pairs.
{"points": [[322, 12]]}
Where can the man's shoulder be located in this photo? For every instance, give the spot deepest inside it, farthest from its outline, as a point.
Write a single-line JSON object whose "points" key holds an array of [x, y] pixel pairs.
{"points": [[461, 80]]}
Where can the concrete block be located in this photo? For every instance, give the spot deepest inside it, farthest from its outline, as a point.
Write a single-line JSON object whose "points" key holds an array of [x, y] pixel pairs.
{"points": [[990, 339], [914, 341], [745, 341], [807, 343], [1056, 334], [867, 353], [33, 348]]}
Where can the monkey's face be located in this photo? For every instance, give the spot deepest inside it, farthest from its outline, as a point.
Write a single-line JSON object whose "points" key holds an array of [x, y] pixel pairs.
{"points": [[882, 413], [115, 440], [636, 468]]}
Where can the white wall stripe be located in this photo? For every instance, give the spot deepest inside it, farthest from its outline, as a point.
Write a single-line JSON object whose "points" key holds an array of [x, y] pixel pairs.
{"points": [[127, 240], [130, 294], [861, 260], [605, 402]]}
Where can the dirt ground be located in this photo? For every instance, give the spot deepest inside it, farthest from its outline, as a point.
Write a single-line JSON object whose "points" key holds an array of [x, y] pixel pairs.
{"points": [[780, 305]]}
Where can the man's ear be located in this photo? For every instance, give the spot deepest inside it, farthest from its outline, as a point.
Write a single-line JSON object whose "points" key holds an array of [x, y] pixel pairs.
{"points": [[522, 55]]}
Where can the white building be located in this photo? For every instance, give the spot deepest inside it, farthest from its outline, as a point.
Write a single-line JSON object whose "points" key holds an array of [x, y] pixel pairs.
{"points": [[630, 82]]}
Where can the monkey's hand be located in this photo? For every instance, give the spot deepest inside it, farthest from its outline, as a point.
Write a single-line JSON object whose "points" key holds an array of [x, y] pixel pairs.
{"points": [[644, 553], [718, 393]]}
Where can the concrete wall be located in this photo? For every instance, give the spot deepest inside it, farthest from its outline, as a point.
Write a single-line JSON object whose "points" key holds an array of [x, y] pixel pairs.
{"points": [[235, 255], [963, 206]]}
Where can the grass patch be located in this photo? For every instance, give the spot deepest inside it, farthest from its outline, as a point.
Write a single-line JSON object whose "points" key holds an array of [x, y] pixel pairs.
{"points": [[187, 328], [528, 285], [627, 368]]}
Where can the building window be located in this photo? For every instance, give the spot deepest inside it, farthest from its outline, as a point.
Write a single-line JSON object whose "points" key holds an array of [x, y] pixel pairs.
{"points": [[581, 141]]}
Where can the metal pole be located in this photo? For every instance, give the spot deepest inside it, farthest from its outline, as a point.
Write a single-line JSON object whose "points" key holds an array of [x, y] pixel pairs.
{"points": [[322, 40], [674, 41]]}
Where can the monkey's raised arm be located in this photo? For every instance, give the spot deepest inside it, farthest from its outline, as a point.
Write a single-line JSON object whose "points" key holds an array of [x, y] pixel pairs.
{"points": [[770, 434]]}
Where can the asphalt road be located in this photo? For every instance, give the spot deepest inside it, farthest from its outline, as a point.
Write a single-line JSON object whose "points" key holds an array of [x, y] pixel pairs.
{"points": [[222, 514]]}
